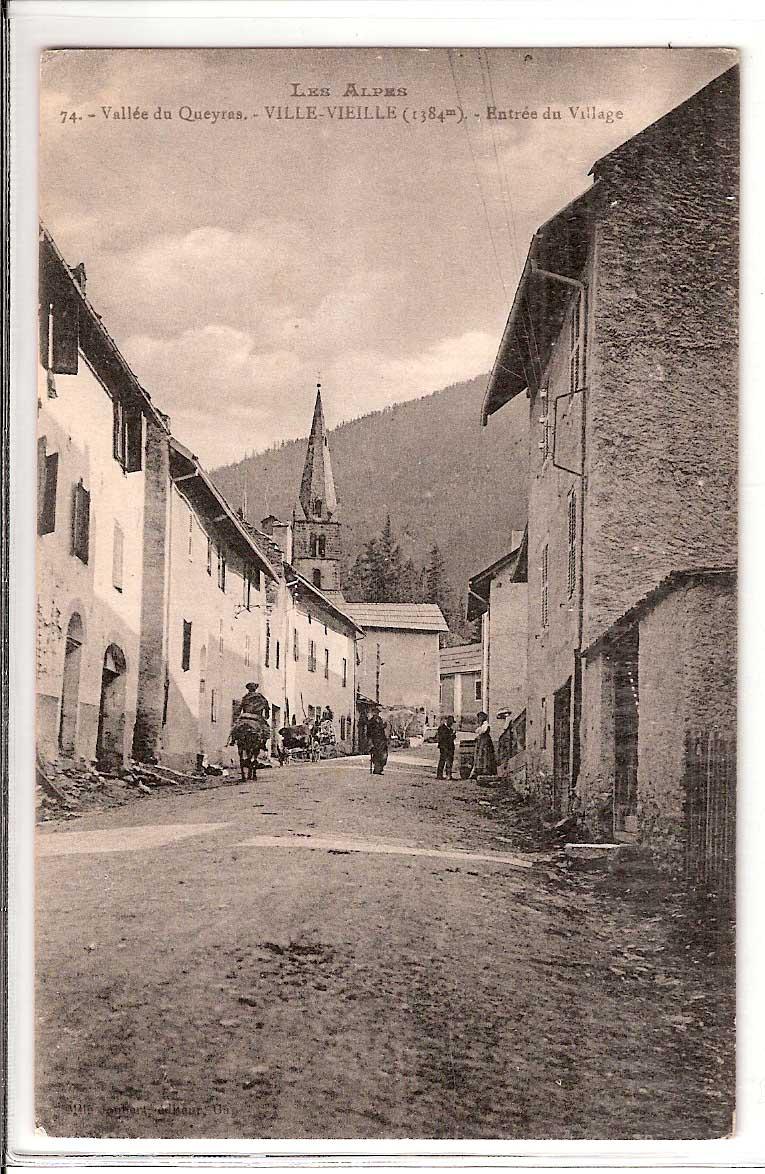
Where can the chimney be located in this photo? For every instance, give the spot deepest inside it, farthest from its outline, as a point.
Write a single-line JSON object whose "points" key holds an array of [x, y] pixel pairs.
{"points": [[267, 525], [79, 275]]}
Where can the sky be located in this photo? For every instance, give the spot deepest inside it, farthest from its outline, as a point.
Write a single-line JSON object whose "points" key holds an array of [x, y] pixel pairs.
{"points": [[236, 261]]}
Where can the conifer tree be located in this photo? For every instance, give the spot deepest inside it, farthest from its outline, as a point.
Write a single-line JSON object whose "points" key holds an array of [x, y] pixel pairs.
{"points": [[389, 564]]}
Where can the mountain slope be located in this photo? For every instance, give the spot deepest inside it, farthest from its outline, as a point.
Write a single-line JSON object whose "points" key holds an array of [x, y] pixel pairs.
{"points": [[427, 462]]}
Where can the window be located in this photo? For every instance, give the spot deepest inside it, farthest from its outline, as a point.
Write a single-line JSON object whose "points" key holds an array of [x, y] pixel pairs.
{"points": [[118, 551], [317, 506], [312, 656], [316, 577], [345, 673], [213, 705], [81, 522], [314, 547], [186, 653], [543, 735], [209, 556], [268, 644], [47, 484], [322, 546], [326, 664], [278, 653], [478, 691], [221, 570], [571, 542], [247, 651], [309, 617], [191, 535], [544, 595], [295, 644], [127, 436]]}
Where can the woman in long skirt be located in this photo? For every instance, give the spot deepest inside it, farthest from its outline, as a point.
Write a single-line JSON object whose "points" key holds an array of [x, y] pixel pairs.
{"points": [[485, 762]]}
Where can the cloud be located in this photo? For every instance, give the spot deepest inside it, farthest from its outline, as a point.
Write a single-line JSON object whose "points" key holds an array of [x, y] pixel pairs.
{"points": [[221, 389]]}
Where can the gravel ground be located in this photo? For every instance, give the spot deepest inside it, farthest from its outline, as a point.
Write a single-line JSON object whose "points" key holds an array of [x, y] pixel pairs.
{"points": [[204, 972]]}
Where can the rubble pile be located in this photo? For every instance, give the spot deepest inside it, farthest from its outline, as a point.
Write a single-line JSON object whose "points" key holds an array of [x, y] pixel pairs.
{"points": [[66, 790]]}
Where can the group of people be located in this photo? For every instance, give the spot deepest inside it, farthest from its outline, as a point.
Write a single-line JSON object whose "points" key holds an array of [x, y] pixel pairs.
{"points": [[484, 759]]}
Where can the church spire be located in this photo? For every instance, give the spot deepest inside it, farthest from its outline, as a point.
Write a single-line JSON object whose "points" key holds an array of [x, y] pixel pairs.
{"points": [[317, 487]]}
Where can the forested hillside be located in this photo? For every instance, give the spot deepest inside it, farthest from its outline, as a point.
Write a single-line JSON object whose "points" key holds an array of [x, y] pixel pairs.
{"points": [[427, 463]]}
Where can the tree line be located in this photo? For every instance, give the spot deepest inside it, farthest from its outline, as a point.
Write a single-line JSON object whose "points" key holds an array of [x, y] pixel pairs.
{"points": [[380, 574]]}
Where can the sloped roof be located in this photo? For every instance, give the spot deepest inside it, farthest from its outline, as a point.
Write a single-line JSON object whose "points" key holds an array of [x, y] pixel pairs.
{"points": [[415, 617], [461, 658], [332, 603]]}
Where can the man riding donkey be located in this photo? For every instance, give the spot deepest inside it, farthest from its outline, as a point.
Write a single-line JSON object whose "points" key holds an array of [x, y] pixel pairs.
{"points": [[250, 731]]}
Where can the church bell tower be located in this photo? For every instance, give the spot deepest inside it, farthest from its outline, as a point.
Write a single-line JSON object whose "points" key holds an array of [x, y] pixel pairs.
{"points": [[315, 522]]}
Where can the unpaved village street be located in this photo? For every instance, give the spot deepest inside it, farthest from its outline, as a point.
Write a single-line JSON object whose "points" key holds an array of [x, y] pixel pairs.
{"points": [[327, 954]]}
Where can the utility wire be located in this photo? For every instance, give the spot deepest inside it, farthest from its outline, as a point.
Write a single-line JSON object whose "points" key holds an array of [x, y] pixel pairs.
{"points": [[475, 172]]}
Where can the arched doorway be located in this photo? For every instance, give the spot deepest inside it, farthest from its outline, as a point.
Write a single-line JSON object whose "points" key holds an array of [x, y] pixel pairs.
{"points": [[110, 747], [70, 686]]}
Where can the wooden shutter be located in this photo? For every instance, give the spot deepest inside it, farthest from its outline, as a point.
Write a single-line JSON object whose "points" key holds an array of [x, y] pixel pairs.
{"points": [[186, 654], [118, 556], [47, 501], [81, 523], [133, 442], [65, 336], [117, 433]]}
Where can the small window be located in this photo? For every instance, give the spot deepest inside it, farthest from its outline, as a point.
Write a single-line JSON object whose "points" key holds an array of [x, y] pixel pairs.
{"points": [[326, 664], [47, 485], [322, 546], [118, 556], [544, 588], [314, 546], [213, 705], [317, 506], [543, 735], [345, 673], [295, 644], [209, 556], [316, 577], [478, 691], [278, 653], [309, 617], [268, 644], [571, 542], [221, 570], [81, 522], [312, 656], [186, 653]]}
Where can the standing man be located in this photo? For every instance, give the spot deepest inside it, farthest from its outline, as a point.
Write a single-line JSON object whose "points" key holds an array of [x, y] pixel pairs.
{"points": [[378, 742], [446, 737]]}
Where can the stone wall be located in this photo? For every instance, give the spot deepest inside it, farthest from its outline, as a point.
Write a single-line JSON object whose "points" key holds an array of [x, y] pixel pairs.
{"points": [[661, 449]]}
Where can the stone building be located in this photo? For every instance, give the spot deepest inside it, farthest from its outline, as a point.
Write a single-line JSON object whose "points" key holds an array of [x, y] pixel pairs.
{"points": [[96, 428], [460, 672], [622, 334]]}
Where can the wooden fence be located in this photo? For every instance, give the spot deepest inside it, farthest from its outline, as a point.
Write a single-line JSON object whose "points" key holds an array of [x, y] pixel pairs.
{"points": [[710, 814]]}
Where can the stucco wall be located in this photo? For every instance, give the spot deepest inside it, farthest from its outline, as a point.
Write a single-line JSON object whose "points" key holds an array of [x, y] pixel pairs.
{"points": [[77, 424], [220, 661], [662, 405], [409, 673], [505, 677]]}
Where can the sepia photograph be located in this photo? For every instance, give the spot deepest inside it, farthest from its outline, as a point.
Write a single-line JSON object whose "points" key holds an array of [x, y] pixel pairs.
{"points": [[386, 593]]}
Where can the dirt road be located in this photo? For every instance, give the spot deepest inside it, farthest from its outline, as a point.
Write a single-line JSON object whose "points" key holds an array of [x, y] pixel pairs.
{"points": [[327, 954]]}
